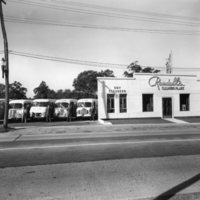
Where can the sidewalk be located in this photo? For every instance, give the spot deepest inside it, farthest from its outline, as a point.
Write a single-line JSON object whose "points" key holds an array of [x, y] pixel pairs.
{"points": [[19, 130], [177, 120], [92, 130]]}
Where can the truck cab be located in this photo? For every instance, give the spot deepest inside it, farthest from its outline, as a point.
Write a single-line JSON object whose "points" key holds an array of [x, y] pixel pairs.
{"points": [[42, 109], [87, 108], [65, 109], [18, 109]]}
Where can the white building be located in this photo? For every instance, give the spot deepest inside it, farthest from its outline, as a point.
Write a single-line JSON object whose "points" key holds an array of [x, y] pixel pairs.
{"points": [[148, 96]]}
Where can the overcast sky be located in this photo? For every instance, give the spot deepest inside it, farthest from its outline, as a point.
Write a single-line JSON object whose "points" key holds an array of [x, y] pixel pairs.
{"points": [[121, 46]]}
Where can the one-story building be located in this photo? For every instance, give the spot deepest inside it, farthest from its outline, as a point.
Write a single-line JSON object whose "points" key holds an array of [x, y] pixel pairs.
{"points": [[149, 96]]}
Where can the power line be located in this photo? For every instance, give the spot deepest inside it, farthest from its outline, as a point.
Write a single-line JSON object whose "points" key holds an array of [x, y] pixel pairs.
{"points": [[87, 63], [65, 24], [93, 6], [68, 60], [107, 14], [130, 11]]}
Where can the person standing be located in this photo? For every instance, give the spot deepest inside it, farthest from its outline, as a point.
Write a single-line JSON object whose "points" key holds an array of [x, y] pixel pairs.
{"points": [[71, 107], [93, 112], [26, 116]]}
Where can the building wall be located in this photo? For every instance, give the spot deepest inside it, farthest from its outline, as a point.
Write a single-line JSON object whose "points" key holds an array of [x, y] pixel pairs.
{"points": [[174, 85]]}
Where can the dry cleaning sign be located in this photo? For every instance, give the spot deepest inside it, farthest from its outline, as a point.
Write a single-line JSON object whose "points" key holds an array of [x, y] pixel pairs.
{"points": [[170, 84]]}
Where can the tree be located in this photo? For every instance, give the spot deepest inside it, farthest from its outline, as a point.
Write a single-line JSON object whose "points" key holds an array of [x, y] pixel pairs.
{"points": [[86, 83], [43, 91], [16, 91], [51, 94], [135, 67], [63, 94], [59, 94], [106, 73], [2, 90]]}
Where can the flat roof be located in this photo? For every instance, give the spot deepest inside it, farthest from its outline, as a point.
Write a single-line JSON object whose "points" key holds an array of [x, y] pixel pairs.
{"points": [[146, 74]]}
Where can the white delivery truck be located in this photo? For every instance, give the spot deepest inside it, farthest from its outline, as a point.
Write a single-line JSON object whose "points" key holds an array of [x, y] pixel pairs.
{"points": [[18, 109], [42, 109], [65, 109], [87, 108]]}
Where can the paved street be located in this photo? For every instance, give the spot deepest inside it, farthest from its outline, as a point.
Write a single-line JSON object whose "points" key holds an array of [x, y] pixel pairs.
{"points": [[100, 162], [127, 179], [37, 150], [65, 144]]}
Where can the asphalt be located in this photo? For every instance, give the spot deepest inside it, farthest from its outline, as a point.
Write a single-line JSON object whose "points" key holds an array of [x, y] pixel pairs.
{"points": [[171, 178], [161, 178], [111, 121], [18, 130]]}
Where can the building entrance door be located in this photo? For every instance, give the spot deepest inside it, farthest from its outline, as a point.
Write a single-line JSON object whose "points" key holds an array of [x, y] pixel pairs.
{"points": [[167, 107]]}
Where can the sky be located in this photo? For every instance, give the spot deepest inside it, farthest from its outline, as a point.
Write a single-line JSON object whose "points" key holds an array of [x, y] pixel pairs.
{"points": [[92, 36]]}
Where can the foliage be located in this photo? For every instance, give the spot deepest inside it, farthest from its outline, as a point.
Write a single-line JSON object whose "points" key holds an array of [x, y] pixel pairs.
{"points": [[68, 94], [135, 67], [43, 91], [106, 73], [16, 91], [86, 82], [63, 94], [2, 90]]}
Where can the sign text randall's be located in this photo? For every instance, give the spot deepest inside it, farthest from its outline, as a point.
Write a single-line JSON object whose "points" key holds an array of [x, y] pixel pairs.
{"points": [[174, 84]]}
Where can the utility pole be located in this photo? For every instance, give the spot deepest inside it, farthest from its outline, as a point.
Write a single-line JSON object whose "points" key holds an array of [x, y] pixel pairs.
{"points": [[5, 66]]}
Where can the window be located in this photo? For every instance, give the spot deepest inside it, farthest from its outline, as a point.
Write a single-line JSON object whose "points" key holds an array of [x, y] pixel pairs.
{"points": [[184, 102], [110, 103], [81, 104], [40, 104], [147, 102], [15, 105], [62, 105], [88, 104], [122, 103]]}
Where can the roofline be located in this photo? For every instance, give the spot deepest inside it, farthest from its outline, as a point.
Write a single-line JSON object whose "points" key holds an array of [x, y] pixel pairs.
{"points": [[60, 100], [20, 100], [145, 74], [164, 74], [87, 99], [116, 78], [44, 100]]}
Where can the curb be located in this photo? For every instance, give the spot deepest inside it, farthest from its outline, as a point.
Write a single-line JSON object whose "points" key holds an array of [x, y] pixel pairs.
{"points": [[104, 122]]}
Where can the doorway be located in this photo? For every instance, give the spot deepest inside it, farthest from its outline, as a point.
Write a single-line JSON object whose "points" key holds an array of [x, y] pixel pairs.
{"points": [[167, 107]]}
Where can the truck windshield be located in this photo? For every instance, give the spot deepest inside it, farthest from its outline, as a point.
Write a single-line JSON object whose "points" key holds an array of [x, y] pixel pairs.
{"points": [[62, 105], [88, 104], [15, 105], [84, 104], [40, 104]]}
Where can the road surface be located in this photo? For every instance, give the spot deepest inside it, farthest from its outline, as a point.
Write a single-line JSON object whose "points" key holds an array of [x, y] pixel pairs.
{"points": [[39, 149], [128, 163], [124, 179]]}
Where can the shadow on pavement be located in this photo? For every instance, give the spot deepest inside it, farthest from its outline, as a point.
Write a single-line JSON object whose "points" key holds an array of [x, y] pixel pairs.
{"points": [[173, 191], [9, 129]]}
